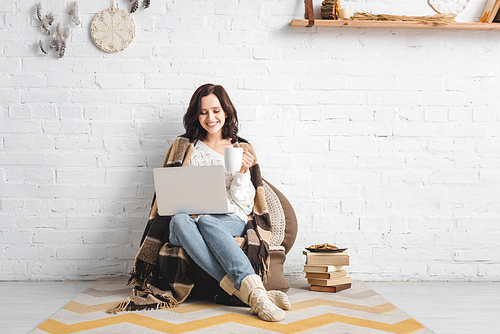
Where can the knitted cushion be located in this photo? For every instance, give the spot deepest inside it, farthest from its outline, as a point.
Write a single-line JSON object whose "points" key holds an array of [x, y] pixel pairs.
{"points": [[277, 215]]}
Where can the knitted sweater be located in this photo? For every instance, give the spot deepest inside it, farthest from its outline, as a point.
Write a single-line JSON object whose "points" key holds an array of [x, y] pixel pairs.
{"points": [[239, 188]]}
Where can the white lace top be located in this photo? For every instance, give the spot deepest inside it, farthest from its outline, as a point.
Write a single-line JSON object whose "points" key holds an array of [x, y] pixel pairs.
{"points": [[239, 188]]}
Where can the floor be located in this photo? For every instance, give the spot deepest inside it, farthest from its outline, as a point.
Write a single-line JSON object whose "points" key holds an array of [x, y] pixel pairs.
{"points": [[447, 307], [444, 307]]}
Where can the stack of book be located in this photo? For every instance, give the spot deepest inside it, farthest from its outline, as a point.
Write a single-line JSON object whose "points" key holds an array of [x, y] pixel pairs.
{"points": [[325, 271]]}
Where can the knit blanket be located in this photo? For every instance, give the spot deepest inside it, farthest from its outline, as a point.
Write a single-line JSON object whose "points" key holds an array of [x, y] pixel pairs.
{"points": [[159, 272]]}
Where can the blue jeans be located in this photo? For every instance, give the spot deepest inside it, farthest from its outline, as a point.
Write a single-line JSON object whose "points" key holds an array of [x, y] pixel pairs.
{"points": [[209, 242]]}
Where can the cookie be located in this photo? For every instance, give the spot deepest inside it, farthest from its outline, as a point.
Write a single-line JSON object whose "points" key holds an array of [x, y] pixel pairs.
{"points": [[323, 246]]}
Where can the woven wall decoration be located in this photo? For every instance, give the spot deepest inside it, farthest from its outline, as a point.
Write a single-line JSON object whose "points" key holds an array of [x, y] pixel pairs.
{"points": [[113, 29], [448, 6]]}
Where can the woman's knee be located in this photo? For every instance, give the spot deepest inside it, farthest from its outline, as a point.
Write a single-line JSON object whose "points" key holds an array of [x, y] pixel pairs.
{"points": [[206, 220], [180, 223]]}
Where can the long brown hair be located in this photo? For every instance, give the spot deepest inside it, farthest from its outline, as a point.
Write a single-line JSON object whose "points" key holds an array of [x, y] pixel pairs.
{"points": [[194, 130]]}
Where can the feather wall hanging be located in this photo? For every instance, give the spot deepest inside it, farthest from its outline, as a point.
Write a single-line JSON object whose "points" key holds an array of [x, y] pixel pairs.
{"points": [[73, 12], [134, 5], [62, 13], [45, 21]]}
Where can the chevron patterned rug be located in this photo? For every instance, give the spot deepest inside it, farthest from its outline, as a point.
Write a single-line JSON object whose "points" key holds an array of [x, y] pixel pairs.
{"points": [[358, 310]]}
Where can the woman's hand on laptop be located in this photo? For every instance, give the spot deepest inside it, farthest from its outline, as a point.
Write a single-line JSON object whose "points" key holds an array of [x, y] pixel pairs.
{"points": [[247, 161]]}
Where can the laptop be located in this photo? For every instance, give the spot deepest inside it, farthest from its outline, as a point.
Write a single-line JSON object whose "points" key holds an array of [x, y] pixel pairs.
{"points": [[190, 190]]}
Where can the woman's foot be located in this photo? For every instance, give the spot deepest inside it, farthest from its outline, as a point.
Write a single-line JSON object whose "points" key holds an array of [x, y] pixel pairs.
{"points": [[278, 298], [253, 293], [261, 305]]}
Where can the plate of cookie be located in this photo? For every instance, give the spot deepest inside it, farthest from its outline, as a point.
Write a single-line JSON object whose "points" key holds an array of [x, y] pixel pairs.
{"points": [[327, 248]]}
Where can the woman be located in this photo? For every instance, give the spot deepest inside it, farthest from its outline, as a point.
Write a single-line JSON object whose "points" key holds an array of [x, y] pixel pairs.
{"points": [[211, 125]]}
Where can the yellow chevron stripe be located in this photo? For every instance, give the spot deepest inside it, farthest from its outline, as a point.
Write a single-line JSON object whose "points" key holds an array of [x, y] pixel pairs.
{"points": [[404, 327], [80, 308], [378, 309]]}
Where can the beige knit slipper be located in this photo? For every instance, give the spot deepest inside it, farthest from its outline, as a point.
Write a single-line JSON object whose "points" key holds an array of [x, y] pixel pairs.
{"points": [[263, 306], [253, 293], [278, 298]]}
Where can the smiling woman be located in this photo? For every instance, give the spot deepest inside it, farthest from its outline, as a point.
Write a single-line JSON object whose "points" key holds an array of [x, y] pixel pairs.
{"points": [[213, 98], [211, 125]]}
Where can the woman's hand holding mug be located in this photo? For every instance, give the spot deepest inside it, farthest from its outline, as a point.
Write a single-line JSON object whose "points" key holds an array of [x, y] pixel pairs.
{"points": [[237, 159], [247, 161]]}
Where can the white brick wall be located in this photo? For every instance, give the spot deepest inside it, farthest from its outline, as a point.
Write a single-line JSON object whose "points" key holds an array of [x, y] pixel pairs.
{"points": [[386, 142]]}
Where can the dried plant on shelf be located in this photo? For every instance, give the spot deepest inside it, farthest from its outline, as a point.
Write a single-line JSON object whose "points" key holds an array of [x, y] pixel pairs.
{"points": [[441, 19]]}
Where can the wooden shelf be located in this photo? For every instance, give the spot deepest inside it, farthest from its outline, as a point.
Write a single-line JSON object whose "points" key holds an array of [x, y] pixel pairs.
{"points": [[396, 25]]}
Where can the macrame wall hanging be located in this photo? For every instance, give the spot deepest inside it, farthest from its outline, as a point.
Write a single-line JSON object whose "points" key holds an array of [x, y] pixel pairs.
{"points": [[113, 29], [59, 19]]}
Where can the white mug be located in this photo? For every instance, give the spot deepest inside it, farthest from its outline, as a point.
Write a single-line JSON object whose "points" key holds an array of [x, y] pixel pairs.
{"points": [[233, 158]]}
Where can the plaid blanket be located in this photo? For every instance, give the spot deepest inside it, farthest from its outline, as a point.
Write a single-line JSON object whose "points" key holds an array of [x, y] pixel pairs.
{"points": [[159, 272]]}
